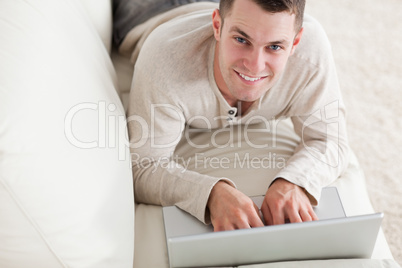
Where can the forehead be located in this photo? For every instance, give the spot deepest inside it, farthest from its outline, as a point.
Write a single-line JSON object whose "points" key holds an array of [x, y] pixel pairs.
{"points": [[258, 23]]}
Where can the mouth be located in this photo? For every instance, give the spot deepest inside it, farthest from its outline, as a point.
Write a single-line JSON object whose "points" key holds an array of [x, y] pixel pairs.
{"points": [[249, 78]]}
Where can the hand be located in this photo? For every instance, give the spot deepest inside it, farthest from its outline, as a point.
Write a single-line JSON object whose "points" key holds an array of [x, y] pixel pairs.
{"points": [[230, 209], [285, 201]]}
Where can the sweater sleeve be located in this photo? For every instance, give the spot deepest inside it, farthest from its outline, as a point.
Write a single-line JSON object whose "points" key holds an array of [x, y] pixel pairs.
{"points": [[156, 123], [322, 154], [318, 116]]}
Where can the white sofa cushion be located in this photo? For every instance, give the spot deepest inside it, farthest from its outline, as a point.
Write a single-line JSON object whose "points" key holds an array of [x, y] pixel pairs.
{"points": [[66, 197], [100, 14]]}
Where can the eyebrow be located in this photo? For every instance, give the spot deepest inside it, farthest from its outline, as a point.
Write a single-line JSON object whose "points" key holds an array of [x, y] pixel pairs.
{"points": [[241, 32]]}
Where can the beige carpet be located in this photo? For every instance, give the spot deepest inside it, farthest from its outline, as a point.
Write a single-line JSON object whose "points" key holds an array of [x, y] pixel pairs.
{"points": [[366, 37]]}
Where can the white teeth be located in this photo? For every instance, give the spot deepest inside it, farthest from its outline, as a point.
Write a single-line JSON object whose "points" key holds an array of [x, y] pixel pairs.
{"points": [[249, 78]]}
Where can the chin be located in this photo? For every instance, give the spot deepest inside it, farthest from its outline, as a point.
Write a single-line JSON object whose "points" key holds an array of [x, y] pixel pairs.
{"points": [[250, 97]]}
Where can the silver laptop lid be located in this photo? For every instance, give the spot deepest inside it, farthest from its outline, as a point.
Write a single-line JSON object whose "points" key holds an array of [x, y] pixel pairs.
{"points": [[193, 244]]}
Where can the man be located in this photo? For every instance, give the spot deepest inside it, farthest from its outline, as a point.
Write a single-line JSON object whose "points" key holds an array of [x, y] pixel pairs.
{"points": [[254, 59]]}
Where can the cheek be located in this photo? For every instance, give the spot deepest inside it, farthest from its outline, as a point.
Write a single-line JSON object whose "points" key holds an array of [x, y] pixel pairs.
{"points": [[231, 54], [277, 63]]}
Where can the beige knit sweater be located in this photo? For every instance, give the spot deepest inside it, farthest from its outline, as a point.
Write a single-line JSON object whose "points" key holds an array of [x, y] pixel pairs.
{"points": [[174, 91]]}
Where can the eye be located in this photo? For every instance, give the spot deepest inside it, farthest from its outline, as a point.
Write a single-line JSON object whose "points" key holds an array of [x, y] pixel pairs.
{"points": [[241, 40], [275, 47]]}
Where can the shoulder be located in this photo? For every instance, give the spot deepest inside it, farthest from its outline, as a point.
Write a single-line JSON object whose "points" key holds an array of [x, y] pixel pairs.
{"points": [[314, 47], [178, 37], [178, 49], [175, 57], [310, 74]]}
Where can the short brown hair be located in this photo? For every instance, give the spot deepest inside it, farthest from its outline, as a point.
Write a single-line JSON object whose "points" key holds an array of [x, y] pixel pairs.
{"points": [[273, 6]]}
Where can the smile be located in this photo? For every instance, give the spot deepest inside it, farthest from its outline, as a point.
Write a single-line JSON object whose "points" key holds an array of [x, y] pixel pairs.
{"points": [[250, 79]]}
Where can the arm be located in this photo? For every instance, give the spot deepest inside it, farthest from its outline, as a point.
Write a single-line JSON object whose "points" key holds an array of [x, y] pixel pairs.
{"points": [[319, 159], [316, 163], [155, 125], [323, 151]]}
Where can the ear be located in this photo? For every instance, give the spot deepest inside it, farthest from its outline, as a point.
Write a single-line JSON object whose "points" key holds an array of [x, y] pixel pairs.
{"points": [[297, 40], [216, 24]]}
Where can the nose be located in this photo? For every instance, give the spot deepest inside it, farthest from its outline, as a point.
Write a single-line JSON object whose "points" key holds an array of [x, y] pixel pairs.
{"points": [[255, 62]]}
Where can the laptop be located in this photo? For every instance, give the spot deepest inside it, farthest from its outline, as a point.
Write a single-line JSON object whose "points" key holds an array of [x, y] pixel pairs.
{"points": [[191, 243]]}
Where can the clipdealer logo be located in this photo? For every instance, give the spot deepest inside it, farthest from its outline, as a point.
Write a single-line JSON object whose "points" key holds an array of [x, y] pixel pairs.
{"points": [[108, 127], [202, 161]]}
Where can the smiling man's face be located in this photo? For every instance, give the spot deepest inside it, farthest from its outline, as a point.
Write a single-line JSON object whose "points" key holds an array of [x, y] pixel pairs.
{"points": [[252, 50]]}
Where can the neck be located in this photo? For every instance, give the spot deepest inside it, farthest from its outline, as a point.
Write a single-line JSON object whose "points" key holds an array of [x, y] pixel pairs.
{"points": [[243, 107]]}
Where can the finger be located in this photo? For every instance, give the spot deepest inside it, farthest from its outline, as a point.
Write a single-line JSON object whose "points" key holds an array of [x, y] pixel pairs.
{"points": [[314, 216], [223, 226], [227, 228], [240, 220], [255, 219], [294, 216], [266, 213], [278, 217], [217, 226], [249, 218], [255, 222], [305, 215], [242, 225], [257, 210]]}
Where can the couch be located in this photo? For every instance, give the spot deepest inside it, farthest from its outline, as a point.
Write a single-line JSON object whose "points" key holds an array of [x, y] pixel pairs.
{"points": [[66, 191]]}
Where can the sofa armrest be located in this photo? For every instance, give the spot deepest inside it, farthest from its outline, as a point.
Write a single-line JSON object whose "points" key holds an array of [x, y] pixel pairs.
{"points": [[66, 193]]}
